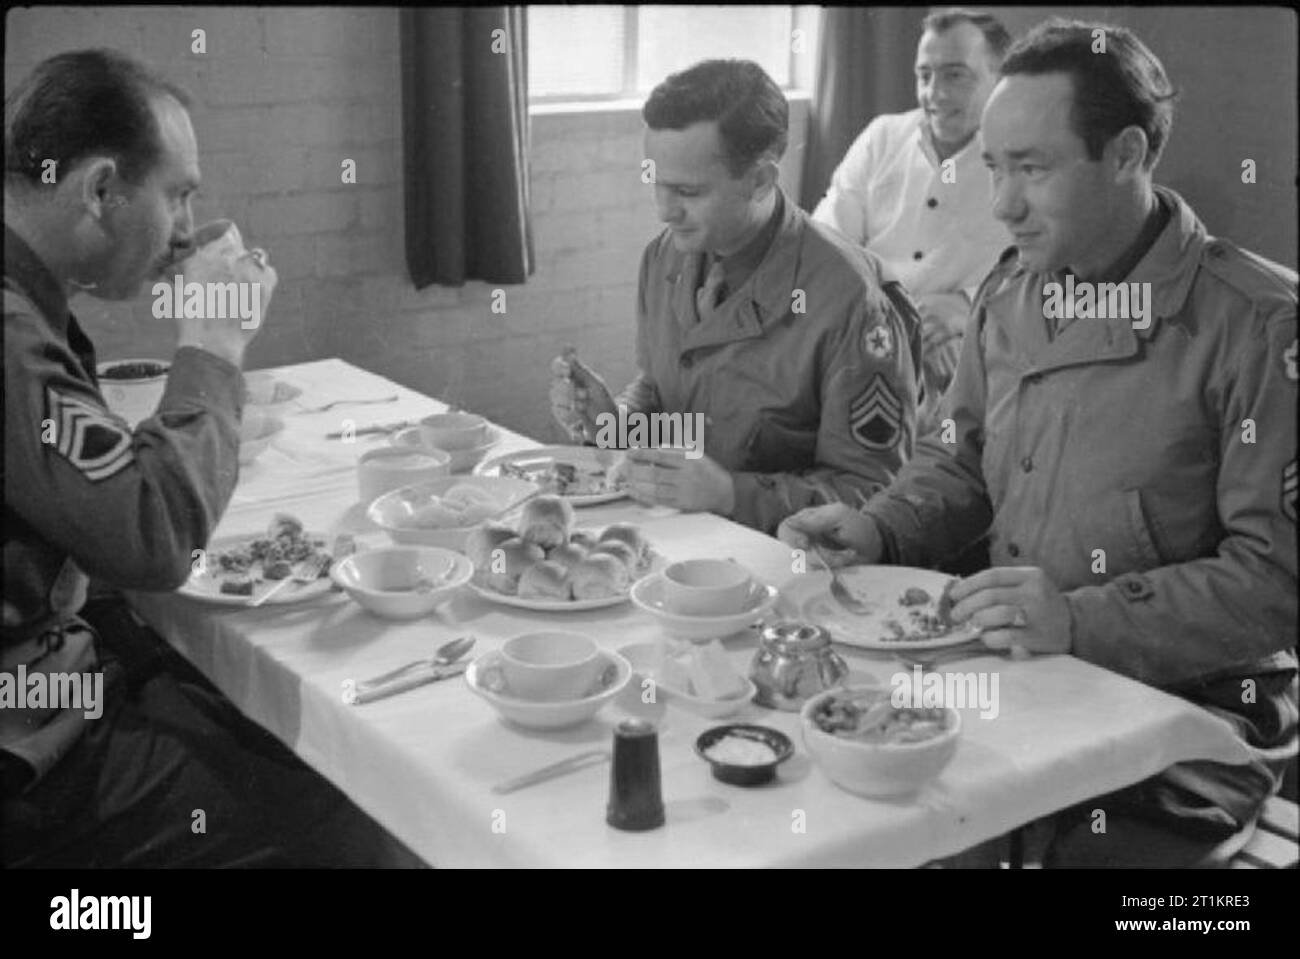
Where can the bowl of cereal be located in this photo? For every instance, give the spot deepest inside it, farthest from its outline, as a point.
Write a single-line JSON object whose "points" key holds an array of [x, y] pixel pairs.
{"points": [[872, 747], [742, 754]]}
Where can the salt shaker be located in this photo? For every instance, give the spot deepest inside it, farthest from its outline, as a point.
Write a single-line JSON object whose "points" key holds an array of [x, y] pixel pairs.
{"points": [[635, 798]]}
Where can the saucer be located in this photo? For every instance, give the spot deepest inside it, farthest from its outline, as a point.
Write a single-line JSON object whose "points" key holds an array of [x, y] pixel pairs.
{"points": [[482, 677], [648, 594]]}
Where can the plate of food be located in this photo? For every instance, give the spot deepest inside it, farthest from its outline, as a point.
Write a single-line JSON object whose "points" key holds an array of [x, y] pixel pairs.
{"points": [[235, 570], [907, 608], [583, 475], [548, 565]]}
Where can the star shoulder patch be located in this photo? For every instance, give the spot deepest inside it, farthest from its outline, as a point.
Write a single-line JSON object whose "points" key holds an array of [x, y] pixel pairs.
{"points": [[876, 416], [88, 436], [879, 342]]}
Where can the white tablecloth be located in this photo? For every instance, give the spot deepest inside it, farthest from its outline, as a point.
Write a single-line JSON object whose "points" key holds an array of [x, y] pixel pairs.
{"points": [[423, 763]]}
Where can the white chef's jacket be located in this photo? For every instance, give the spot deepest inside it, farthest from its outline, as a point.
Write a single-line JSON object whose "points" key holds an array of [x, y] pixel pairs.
{"points": [[888, 195]]}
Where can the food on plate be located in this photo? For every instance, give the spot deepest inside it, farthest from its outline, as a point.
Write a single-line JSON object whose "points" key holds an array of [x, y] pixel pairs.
{"points": [[737, 750], [620, 551], [508, 562], [567, 555], [599, 576], [629, 534], [547, 521], [702, 671], [481, 542], [871, 717], [271, 557], [562, 478], [924, 617], [545, 580], [461, 506]]}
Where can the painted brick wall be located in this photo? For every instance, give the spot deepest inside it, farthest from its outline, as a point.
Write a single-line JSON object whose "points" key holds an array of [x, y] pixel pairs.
{"points": [[283, 95]]}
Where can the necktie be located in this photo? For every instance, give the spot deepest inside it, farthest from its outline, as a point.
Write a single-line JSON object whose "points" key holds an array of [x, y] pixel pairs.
{"points": [[711, 293]]}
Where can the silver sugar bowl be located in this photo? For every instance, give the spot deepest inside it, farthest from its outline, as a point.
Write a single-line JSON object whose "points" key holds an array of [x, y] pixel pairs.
{"points": [[794, 662]]}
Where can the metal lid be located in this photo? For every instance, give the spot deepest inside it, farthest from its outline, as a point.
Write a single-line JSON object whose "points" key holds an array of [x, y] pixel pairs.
{"points": [[793, 638]]}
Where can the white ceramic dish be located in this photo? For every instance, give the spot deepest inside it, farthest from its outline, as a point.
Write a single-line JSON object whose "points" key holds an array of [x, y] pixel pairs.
{"points": [[133, 400], [648, 594], [535, 715], [538, 460], [206, 584], [461, 460], [256, 433], [387, 468], [391, 510], [877, 770], [643, 656], [455, 431], [808, 598], [706, 587], [560, 605], [385, 580]]}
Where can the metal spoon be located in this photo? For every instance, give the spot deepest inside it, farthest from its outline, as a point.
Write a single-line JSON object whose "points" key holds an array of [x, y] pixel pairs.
{"points": [[839, 591], [328, 406], [447, 653]]}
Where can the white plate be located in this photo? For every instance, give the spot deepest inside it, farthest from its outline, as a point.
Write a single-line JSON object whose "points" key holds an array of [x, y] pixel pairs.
{"points": [[537, 460], [207, 586], [562, 605], [647, 593], [536, 715], [809, 599]]}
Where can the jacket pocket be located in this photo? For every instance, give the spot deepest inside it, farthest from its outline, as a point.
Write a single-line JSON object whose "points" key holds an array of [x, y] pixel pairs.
{"points": [[773, 448], [1148, 555]]}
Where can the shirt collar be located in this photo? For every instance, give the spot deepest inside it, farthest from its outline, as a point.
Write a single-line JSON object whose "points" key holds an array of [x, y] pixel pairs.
{"points": [[739, 266], [24, 267], [925, 143]]}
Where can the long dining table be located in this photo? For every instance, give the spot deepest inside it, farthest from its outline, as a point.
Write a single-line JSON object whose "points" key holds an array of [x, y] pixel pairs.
{"points": [[423, 763]]}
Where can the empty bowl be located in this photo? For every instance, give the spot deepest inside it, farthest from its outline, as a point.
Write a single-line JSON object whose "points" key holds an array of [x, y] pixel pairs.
{"points": [[706, 587], [484, 676], [402, 582], [389, 468], [455, 431], [743, 754], [133, 388], [868, 765], [400, 512]]}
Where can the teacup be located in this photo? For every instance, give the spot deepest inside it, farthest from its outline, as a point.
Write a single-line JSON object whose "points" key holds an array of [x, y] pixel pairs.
{"points": [[220, 237], [454, 431], [550, 666], [706, 587]]}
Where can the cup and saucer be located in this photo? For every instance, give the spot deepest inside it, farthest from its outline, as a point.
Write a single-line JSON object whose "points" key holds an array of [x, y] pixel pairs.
{"points": [[704, 599]]}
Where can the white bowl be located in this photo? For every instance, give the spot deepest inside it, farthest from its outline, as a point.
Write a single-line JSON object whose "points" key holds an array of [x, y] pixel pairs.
{"points": [[550, 666], [877, 770], [455, 431], [462, 460], [134, 399], [648, 593], [542, 715], [263, 390], [642, 656], [391, 510], [388, 468], [706, 587], [255, 434], [385, 580]]}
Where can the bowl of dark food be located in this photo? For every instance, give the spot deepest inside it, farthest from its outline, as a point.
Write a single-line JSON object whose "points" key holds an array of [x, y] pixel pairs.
{"points": [[870, 746], [742, 754], [132, 388]]}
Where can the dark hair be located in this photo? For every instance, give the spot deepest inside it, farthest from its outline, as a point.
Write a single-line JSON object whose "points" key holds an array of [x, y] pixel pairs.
{"points": [[996, 37], [752, 113], [1124, 86], [81, 104]]}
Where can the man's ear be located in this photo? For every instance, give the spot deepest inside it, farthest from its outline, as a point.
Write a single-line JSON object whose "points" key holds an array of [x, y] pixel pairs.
{"points": [[99, 182], [766, 173], [1127, 151]]}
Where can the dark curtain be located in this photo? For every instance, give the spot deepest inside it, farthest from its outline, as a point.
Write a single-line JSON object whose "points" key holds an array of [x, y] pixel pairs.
{"points": [[865, 69], [465, 145]]}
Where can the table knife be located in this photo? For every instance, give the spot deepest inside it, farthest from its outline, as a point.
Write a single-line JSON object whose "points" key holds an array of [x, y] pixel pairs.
{"points": [[422, 678], [562, 768], [367, 430]]}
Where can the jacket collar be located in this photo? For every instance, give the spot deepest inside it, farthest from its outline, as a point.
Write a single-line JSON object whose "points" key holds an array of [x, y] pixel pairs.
{"points": [[24, 269]]}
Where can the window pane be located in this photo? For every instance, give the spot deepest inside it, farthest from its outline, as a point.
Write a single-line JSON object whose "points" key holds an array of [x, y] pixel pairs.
{"points": [[575, 51], [672, 38]]}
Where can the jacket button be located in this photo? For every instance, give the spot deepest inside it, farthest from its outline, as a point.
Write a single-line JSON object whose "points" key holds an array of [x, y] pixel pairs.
{"points": [[932, 203], [1013, 549], [917, 255], [1027, 464]]}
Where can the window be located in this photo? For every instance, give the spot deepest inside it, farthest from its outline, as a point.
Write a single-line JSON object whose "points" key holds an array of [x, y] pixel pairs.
{"points": [[583, 53]]}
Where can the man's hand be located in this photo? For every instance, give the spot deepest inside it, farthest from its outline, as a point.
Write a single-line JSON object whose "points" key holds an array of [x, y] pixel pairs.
{"points": [[1015, 606], [665, 477], [851, 536], [578, 396], [226, 337]]}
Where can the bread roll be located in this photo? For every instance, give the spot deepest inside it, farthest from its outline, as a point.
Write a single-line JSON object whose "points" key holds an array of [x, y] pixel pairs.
{"points": [[546, 522], [508, 562], [584, 538], [567, 555], [599, 576], [545, 580], [620, 551], [480, 543], [631, 535]]}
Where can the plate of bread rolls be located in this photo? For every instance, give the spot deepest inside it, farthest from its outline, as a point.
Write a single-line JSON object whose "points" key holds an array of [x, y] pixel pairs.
{"points": [[548, 565], [582, 475]]}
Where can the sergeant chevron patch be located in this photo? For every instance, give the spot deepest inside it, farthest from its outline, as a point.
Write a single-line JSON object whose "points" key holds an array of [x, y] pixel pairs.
{"points": [[876, 417], [88, 436]]}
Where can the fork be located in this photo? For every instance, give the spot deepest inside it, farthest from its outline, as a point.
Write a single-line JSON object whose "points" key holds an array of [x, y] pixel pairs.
{"points": [[308, 572], [839, 591], [330, 406]]}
